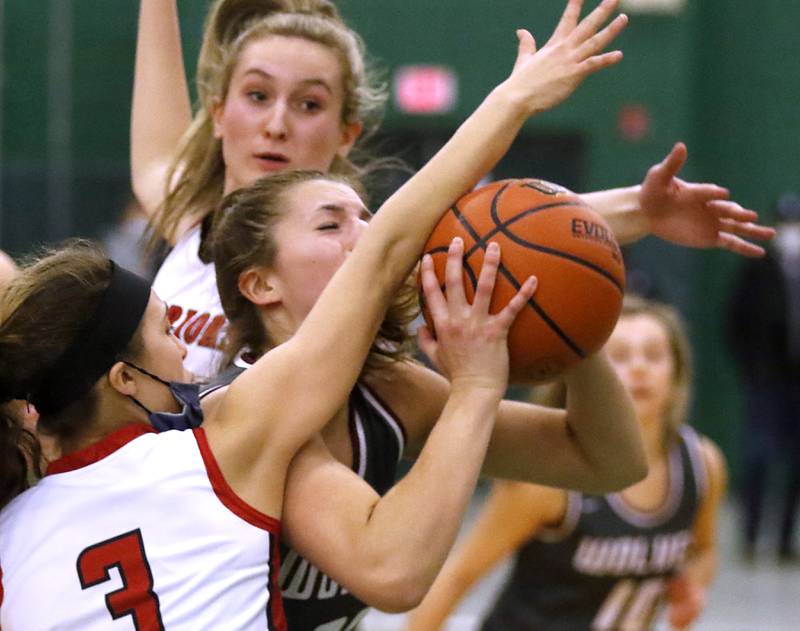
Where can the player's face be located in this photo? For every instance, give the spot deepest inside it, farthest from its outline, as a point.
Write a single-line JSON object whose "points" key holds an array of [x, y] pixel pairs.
{"points": [[324, 220], [639, 350], [162, 355], [283, 110]]}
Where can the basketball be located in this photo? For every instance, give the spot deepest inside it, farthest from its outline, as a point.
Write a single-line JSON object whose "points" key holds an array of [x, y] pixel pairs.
{"points": [[546, 231]]}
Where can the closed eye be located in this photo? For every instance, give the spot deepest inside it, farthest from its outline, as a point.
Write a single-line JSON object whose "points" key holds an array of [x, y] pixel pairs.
{"points": [[328, 226]]}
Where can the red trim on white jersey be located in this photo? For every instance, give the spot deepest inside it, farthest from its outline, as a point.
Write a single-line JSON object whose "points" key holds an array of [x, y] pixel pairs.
{"points": [[227, 495], [99, 450], [277, 614]]}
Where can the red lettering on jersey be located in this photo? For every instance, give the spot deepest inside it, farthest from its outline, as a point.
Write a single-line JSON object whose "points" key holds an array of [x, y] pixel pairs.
{"points": [[191, 313], [192, 332], [136, 598], [210, 338], [174, 313]]}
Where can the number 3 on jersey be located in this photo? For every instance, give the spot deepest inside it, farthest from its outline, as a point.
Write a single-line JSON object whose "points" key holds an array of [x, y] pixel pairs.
{"points": [[136, 597]]}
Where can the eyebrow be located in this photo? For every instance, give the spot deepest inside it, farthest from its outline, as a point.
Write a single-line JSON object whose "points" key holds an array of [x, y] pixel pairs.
{"points": [[336, 208], [309, 82]]}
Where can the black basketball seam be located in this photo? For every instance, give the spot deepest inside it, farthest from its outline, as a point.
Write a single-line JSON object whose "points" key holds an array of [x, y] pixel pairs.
{"points": [[525, 213], [510, 277], [501, 227]]}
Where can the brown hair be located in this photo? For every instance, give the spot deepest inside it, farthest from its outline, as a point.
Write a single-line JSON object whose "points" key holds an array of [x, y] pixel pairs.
{"points": [[195, 182], [555, 394], [243, 238], [670, 319], [44, 307]]}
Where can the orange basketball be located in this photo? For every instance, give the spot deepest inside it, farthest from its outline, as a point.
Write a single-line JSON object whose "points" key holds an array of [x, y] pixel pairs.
{"points": [[546, 231]]}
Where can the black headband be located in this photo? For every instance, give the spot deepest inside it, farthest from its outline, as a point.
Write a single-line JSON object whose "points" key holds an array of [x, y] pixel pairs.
{"points": [[99, 344]]}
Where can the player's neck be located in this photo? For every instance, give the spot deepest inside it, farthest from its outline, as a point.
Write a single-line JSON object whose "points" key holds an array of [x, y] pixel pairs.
{"points": [[653, 438], [277, 323], [111, 414]]}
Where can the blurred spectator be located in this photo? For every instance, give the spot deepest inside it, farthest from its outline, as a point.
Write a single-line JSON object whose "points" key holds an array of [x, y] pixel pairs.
{"points": [[764, 336], [125, 241]]}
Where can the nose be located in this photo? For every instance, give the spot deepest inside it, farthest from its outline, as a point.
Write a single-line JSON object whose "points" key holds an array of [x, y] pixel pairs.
{"points": [[638, 364], [357, 229], [275, 125]]}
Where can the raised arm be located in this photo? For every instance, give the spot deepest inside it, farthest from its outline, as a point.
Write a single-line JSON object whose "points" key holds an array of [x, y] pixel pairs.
{"points": [[686, 213], [335, 337], [512, 514], [161, 111], [594, 445], [388, 550]]}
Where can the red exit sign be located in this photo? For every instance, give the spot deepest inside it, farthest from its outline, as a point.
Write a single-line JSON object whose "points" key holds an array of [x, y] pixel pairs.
{"points": [[425, 89]]}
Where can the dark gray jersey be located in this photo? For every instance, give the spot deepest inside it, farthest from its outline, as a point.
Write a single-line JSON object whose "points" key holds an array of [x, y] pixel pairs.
{"points": [[312, 600], [607, 565]]}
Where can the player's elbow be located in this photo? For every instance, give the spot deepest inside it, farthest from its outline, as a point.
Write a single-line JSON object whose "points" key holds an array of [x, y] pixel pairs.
{"points": [[620, 476], [635, 472], [397, 589]]}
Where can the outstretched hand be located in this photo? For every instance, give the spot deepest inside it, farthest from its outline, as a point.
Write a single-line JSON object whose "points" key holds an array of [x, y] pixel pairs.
{"points": [[697, 215], [544, 78], [471, 344]]}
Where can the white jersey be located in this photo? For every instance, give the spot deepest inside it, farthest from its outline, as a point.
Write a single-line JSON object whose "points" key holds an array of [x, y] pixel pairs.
{"points": [[189, 287], [138, 532]]}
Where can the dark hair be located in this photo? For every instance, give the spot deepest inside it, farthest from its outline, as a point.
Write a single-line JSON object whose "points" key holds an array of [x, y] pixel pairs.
{"points": [[243, 237], [43, 309]]}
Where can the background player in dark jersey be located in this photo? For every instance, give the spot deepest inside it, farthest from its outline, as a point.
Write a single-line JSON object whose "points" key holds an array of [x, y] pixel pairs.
{"points": [[605, 561]]}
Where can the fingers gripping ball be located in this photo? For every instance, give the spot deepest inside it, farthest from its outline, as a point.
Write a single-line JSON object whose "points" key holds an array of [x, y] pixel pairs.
{"points": [[546, 231]]}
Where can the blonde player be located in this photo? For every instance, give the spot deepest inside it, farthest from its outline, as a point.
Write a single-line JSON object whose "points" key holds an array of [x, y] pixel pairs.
{"points": [[586, 561]]}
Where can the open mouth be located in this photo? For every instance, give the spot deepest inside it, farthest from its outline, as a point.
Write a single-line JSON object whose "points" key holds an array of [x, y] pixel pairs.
{"points": [[272, 160]]}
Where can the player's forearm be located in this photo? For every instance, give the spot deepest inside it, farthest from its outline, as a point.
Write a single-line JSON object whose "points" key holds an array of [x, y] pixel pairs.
{"points": [[621, 208], [413, 527], [405, 221], [394, 240], [702, 567], [457, 577], [603, 426], [439, 603], [161, 110]]}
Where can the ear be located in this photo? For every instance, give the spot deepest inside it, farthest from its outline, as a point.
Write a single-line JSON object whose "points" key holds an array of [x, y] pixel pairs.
{"points": [[255, 284], [350, 133], [217, 111], [120, 377]]}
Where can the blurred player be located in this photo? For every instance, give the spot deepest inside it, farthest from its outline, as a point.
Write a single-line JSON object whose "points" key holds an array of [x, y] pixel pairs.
{"points": [[605, 561]]}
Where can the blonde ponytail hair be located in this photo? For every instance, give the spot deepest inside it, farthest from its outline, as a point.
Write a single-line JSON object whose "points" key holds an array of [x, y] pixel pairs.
{"points": [[196, 177]]}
